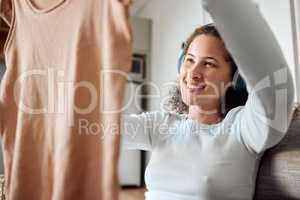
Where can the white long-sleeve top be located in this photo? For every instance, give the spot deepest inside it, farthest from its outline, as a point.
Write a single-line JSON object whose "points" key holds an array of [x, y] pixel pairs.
{"points": [[194, 161]]}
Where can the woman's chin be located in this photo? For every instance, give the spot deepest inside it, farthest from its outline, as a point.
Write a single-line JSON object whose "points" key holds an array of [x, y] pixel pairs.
{"points": [[194, 101]]}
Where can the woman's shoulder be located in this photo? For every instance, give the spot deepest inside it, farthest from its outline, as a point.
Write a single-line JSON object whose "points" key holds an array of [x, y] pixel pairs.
{"points": [[232, 114]]}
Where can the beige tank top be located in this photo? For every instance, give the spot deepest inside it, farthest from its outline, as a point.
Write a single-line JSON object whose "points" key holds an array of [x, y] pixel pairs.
{"points": [[54, 93]]}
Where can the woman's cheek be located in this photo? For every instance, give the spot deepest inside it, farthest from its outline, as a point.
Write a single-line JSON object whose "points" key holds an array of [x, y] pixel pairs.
{"points": [[183, 93]]}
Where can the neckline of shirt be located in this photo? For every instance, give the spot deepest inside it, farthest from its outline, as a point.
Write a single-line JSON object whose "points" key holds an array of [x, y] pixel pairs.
{"points": [[60, 4], [196, 123], [199, 124]]}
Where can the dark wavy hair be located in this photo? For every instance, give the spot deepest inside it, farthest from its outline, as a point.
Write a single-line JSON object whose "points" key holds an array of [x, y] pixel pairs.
{"points": [[235, 95]]}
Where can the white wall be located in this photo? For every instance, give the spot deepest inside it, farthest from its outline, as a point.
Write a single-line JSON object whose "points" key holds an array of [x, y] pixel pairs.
{"points": [[172, 22], [279, 16], [296, 14]]}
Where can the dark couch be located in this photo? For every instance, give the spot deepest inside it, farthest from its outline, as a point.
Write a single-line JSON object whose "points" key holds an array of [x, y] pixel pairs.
{"points": [[279, 173]]}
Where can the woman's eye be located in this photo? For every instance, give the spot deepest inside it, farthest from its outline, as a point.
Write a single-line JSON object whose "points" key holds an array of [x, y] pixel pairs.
{"points": [[189, 60], [209, 64]]}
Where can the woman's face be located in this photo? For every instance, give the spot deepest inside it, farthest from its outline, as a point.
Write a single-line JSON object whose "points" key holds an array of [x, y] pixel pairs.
{"points": [[205, 73]]}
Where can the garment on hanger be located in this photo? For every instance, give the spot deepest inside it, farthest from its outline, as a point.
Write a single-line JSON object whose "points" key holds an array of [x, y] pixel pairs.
{"points": [[61, 60]]}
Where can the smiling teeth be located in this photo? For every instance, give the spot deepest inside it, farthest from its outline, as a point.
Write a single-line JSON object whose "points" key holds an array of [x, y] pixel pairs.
{"points": [[201, 86]]}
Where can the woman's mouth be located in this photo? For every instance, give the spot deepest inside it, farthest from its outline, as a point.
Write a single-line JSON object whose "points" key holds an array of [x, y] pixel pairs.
{"points": [[196, 88]]}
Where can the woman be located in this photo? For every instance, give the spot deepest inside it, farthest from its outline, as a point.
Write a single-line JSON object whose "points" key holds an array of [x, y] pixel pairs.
{"points": [[210, 152]]}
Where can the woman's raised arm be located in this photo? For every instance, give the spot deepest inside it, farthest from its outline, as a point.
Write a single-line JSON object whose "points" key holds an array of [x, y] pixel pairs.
{"points": [[263, 122]]}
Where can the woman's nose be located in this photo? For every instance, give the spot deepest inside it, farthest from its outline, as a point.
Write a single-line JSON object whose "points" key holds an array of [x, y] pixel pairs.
{"points": [[194, 76]]}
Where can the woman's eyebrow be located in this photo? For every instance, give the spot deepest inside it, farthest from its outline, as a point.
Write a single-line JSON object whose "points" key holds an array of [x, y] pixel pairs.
{"points": [[189, 54], [205, 57]]}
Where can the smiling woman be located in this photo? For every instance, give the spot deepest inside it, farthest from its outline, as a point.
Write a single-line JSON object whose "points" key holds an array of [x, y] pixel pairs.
{"points": [[205, 72], [205, 153], [215, 76]]}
